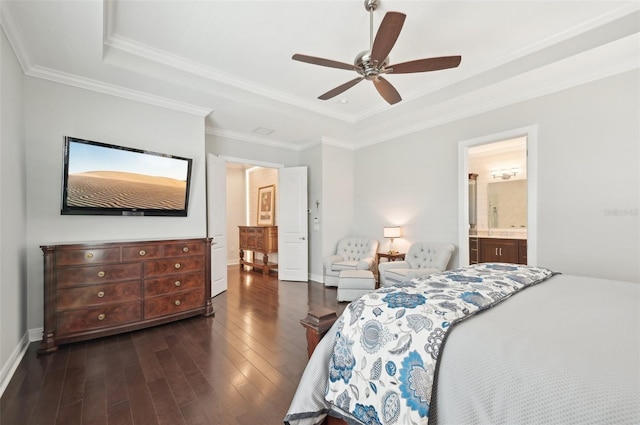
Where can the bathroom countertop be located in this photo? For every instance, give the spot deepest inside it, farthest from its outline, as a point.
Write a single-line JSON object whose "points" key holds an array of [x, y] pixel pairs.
{"points": [[501, 234]]}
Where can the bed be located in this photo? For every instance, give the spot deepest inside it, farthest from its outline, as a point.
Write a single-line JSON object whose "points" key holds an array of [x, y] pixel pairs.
{"points": [[489, 343]]}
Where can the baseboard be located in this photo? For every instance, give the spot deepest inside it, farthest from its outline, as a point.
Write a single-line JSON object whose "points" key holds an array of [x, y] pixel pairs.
{"points": [[235, 262], [35, 334], [12, 363], [316, 277]]}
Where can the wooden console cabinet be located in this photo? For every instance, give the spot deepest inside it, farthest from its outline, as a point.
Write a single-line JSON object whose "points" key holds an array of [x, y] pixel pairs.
{"points": [[98, 289], [258, 239]]}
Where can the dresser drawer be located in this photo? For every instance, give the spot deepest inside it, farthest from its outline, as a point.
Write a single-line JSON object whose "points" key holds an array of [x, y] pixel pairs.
{"points": [[98, 274], [98, 317], [173, 303], [88, 256], [173, 265], [173, 284], [184, 248], [87, 296], [142, 252]]}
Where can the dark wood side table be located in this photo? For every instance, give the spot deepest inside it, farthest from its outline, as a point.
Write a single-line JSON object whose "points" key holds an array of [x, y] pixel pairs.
{"points": [[390, 257]]}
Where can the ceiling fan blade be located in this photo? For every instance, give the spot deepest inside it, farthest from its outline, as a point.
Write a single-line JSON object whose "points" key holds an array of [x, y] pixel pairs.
{"points": [[387, 35], [424, 65], [346, 86], [387, 91], [323, 62]]}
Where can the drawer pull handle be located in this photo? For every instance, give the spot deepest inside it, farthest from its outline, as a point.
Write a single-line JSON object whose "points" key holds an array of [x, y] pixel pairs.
{"points": [[101, 316], [177, 302], [185, 249], [100, 294], [178, 283], [177, 266], [101, 273], [142, 252], [89, 255]]}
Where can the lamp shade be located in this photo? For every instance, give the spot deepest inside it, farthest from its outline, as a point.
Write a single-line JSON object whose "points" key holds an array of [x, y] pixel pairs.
{"points": [[392, 231]]}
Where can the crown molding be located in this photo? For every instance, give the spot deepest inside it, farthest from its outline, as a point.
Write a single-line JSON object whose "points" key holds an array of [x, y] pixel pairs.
{"points": [[160, 57], [29, 68], [533, 48], [15, 37], [114, 90], [337, 143], [249, 138], [504, 101]]}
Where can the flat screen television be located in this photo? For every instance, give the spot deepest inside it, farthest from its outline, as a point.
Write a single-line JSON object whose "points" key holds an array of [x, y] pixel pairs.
{"points": [[103, 179]]}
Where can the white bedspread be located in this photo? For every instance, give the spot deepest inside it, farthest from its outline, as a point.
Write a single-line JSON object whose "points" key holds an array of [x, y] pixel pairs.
{"points": [[565, 351]]}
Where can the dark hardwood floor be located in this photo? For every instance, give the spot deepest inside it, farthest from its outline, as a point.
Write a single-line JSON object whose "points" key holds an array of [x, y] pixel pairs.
{"points": [[240, 367]]}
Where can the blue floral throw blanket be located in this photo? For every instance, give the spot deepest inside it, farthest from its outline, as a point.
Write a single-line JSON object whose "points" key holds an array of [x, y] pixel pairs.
{"points": [[388, 342]]}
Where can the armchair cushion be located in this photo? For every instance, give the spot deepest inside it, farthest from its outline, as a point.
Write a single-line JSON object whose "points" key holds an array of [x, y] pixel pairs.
{"points": [[422, 259], [352, 253]]}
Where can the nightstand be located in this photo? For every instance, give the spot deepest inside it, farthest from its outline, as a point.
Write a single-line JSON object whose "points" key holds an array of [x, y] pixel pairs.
{"points": [[389, 257]]}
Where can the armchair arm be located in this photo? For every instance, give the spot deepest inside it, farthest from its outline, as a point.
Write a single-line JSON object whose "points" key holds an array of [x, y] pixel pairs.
{"points": [[393, 265], [329, 260], [365, 263]]}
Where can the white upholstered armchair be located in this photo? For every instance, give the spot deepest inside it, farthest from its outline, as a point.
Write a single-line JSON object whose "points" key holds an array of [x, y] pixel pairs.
{"points": [[422, 259], [352, 253]]}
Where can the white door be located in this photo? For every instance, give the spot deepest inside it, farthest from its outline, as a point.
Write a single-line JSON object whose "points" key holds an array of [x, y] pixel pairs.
{"points": [[217, 221], [293, 228]]}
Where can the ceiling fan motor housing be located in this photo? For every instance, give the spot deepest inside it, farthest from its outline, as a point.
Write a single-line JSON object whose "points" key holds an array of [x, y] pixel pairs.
{"points": [[370, 70]]}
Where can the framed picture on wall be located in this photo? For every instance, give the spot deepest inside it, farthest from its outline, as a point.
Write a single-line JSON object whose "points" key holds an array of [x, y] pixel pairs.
{"points": [[266, 205]]}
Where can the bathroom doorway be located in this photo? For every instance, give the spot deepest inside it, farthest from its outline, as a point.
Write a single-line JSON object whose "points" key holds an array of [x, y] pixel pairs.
{"points": [[503, 169]]}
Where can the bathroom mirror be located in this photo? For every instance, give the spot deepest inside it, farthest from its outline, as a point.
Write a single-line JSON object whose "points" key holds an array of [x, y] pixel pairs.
{"points": [[507, 203]]}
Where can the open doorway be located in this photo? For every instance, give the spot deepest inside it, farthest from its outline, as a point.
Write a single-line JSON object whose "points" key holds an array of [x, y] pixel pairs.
{"points": [[244, 181], [501, 170]]}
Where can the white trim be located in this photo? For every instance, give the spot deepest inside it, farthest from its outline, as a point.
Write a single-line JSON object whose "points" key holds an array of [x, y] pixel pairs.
{"points": [[114, 90], [531, 133], [252, 162], [337, 143], [161, 57], [35, 334], [261, 140], [316, 278], [16, 40], [13, 361]]}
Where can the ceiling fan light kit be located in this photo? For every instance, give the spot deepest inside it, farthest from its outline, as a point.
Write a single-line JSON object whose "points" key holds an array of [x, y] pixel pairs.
{"points": [[373, 63]]}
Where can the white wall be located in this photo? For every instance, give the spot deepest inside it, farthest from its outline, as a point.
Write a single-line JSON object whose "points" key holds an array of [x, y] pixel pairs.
{"points": [[588, 184], [338, 198], [236, 211], [55, 110], [261, 177], [13, 245]]}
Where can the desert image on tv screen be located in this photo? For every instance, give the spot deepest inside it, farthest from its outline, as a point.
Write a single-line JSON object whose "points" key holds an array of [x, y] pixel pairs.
{"points": [[102, 177]]}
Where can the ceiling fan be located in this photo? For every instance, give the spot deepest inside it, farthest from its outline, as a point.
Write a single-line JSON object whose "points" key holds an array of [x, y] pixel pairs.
{"points": [[373, 63]]}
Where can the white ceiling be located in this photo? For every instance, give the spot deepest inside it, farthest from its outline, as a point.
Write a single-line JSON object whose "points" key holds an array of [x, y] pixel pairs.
{"points": [[231, 60]]}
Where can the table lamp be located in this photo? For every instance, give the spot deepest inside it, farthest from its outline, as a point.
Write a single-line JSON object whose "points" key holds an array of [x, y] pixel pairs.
{"points": [[392, 232]]}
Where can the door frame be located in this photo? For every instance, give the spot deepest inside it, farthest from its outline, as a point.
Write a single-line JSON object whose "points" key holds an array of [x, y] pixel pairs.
{"points": [[253, 162], [531, 133]]}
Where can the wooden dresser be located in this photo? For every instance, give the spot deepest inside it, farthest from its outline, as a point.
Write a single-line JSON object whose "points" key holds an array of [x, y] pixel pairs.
{"points": [[98, 289], [258, 239]]}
